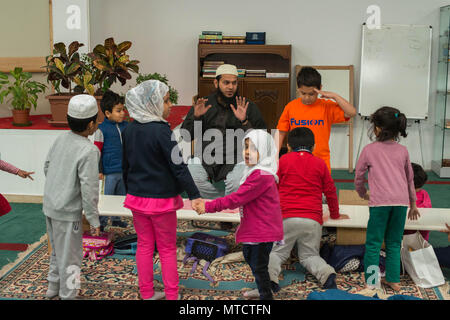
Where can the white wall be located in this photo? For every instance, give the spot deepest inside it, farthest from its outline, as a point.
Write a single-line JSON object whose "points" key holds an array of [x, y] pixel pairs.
{"points": [[323, 32]]}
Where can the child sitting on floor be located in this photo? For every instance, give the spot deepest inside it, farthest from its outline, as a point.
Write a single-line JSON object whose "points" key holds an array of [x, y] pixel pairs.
{"points": [[7, 167], [423, 199], [257, 197]]}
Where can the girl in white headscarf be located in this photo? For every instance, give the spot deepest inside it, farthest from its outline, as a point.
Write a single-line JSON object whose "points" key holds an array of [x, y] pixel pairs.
{"points": [[154, 181], [257, 197]]}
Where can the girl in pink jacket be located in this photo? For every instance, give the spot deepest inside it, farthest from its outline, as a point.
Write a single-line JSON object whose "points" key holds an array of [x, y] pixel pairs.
{"points": [[259, 205]]}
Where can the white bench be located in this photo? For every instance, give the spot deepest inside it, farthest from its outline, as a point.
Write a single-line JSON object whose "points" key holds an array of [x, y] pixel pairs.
{"points": [[431, 218]]}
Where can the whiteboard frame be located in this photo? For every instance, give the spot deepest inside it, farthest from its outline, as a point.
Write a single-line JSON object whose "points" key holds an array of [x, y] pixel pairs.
{"points": [[364, 27]]}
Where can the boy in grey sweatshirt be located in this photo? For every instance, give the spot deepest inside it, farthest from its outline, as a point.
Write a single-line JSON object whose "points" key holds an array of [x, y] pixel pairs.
{"points": [[71, 187]]}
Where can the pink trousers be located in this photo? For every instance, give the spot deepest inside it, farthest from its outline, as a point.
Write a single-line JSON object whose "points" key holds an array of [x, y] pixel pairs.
{"points": [[162, 230]]}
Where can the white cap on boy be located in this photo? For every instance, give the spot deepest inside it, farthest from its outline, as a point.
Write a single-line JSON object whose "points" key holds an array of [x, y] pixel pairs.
{"points": [[227, 69], [82, 106]]}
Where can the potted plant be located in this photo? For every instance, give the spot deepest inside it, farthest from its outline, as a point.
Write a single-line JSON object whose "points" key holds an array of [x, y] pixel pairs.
{"points": [[63, 68], [173, 93], [112, 63], [24, 94]]}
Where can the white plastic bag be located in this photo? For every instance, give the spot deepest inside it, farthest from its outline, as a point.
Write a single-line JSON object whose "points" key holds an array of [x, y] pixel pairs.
{"points": [[421, 263]]}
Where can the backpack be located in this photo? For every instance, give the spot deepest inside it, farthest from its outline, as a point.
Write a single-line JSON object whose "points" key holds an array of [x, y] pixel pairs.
{"points": [[204, 246], [97, 247]]}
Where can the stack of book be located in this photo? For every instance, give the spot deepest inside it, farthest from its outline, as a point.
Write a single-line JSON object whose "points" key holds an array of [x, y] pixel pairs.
{"points": [[255, 73], [277, 75], [233, 39], [210, 37], [210, 67], [241, 73]]}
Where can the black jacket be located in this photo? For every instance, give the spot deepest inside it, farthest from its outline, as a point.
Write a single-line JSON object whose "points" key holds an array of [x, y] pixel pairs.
{"points": [[148, 169], [221, 117]]}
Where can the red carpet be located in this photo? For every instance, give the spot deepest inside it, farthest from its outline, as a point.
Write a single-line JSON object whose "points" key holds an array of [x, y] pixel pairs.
{"points": [[40, 122]]}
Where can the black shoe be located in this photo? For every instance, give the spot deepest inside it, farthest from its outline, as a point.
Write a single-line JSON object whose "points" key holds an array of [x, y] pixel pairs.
{"points": [[120, 224], [102, 228], [226, 225], [274, 286], [331, 282]]}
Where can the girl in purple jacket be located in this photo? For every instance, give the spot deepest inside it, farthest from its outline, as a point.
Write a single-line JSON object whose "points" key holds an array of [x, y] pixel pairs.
{"points": [[259, 205]]}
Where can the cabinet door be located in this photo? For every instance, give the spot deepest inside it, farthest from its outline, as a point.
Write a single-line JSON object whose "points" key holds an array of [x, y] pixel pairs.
{"points": [[271, 96]]}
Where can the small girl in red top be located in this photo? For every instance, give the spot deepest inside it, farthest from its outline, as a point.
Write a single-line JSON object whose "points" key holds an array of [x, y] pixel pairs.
{"points": [[423, 199], [257, 197], [5, 166]]}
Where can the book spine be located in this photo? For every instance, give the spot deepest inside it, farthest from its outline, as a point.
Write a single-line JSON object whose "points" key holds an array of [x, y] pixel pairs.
{"points": [[216, 33]]}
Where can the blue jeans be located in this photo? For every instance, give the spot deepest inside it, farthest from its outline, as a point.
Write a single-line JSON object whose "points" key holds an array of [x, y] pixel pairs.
{"points": [[114, 185], [257, 257]]}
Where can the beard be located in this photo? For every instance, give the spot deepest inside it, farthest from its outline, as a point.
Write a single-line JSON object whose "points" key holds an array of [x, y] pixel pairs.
{"points": [[224, 100]]}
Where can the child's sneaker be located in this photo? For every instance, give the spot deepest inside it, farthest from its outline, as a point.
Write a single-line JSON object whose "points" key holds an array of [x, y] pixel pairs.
{"points": [[158, 295], [331, 282], [52, 291]]}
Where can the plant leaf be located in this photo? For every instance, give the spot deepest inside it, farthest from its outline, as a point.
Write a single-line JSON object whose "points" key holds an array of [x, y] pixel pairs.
{"points": [[99, 50], [109, 43], [59, 65], [72, 68], [124, 46], [73, 47]]}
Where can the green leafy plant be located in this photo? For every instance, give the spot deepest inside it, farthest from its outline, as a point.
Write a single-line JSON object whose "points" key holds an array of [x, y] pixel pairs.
{"points": [[173, 93], [86, 80], [23, 91], [64, 65], [113, 63]]}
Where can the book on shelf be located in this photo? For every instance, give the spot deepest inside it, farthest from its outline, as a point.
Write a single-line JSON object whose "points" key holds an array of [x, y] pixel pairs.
{"points": [[233, 41], [209, 37], [233, 37], [214, 33], [210, 41], [277, 75]]}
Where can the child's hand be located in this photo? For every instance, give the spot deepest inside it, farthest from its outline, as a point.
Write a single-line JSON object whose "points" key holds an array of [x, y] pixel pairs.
{"points": [[447, 231], [366, 197], [326, 94], [199, 205], [25, 174], [95, 232], [413, 213], [100, 176], [343, 217]]}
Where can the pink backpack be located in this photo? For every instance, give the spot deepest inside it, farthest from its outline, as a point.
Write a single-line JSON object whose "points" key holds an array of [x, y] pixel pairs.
{"points": [[96, 248]]}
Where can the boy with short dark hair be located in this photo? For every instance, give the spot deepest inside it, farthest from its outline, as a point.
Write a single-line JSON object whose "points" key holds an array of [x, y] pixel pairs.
{"points": [[314, 113], [71, 187], [108, 138]]}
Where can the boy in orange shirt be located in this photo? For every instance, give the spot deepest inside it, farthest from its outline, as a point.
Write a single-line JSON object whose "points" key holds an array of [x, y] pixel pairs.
{"points": [[314, 113]]}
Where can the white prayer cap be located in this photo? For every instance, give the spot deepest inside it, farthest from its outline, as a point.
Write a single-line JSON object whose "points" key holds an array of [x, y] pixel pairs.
{"points": [[227, 69], [82, 106]]}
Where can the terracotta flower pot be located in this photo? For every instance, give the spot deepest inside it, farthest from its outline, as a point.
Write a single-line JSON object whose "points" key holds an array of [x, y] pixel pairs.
{"points": [[21, 118], [59, 104]]}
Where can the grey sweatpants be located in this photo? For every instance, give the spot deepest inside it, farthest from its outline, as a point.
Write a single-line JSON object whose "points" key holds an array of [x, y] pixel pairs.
{"points": [[66, 258], [306, 233]]}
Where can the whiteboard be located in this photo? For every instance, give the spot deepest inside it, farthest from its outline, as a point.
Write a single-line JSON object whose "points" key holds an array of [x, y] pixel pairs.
{"points": [[395, 69]]}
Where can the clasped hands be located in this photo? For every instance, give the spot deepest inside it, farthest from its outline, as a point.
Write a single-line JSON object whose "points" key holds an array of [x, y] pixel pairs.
{"points": [[198, 205]]}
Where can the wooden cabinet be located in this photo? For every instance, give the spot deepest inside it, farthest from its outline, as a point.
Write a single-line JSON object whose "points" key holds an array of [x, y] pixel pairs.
{"points": [[270, 94]]}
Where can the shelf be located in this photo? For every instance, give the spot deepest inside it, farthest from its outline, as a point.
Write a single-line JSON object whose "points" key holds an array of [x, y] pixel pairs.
{"points": [[281, 50]]}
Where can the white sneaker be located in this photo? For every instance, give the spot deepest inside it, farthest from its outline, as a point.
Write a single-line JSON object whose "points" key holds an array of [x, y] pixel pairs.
{"points": [[251, 294], [158, 295], [53, 290]]}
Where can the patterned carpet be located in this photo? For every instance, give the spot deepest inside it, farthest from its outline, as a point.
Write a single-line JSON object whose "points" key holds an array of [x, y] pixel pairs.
{"points": [[115, 278]]}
